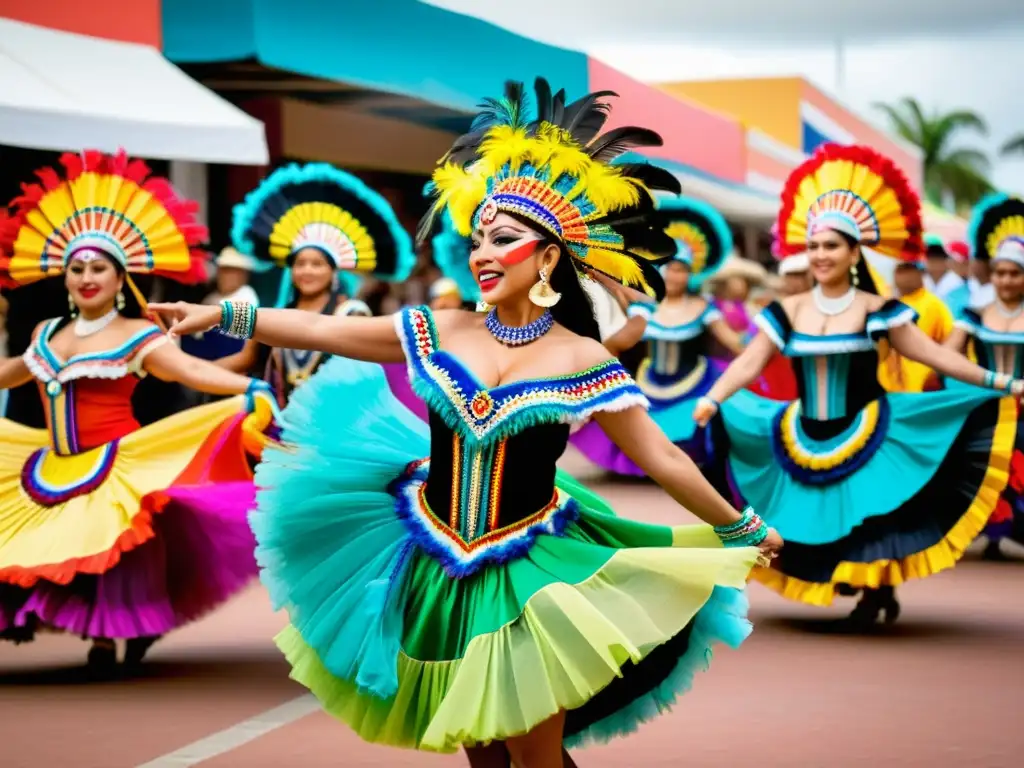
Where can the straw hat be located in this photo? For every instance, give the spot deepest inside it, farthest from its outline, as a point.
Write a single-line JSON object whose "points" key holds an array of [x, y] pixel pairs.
{"points": [[230, 257], [755, 275], [794, 264]]}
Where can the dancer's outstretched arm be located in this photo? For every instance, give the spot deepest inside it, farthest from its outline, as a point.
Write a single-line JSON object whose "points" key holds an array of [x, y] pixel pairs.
{"points": [[642, 440], [13, 373], [911, 342], [168, 363], [372, 339], [741, 372]]}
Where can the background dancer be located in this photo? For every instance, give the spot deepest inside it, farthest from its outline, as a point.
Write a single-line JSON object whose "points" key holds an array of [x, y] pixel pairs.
{"points": [[870, 489], [323, 226], [108, 530], [994, 336], [676, 370]]}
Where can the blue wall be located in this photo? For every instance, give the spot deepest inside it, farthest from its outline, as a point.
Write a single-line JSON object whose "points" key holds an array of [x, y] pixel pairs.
{"points": [[398, 46]]}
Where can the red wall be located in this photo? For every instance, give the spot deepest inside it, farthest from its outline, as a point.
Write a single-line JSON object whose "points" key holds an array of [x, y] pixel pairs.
{"points": [[694, 136], [133, 21]]}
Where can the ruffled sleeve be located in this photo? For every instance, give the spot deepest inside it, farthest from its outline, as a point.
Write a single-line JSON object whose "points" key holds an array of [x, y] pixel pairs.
{"points": [[968, 320], [893, 314], [774, 323], [710, 315], [640, 309], [606, 387], [417, 332]]}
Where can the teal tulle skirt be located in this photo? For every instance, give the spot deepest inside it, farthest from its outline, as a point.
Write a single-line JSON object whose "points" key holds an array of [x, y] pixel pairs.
{"points": [[608, 620]]}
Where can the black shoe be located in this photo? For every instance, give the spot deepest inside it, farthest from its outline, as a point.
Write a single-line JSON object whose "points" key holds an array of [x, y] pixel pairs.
{"points": [[864, 617], [891, 610], [135, 650], [101, 663], [994, 553]]}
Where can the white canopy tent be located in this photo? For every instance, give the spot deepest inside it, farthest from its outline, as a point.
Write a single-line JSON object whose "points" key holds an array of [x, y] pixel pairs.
{"points": [[64, 91]]}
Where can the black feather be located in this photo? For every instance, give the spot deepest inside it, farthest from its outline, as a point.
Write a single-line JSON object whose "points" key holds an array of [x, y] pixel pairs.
{"points": [[607, 147], [652, 176], [543, 94], [558, 108], [585, 117]]}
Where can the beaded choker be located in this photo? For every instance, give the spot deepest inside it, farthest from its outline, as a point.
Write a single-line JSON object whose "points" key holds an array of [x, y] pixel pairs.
{"points": [[517, 336]]}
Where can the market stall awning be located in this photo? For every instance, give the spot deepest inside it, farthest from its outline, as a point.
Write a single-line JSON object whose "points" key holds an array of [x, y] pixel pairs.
{"points": [[63, 91], [737, 202]]}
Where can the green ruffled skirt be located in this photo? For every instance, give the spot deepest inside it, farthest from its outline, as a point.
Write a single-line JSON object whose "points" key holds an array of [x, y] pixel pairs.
{"points": [[608, 620]]}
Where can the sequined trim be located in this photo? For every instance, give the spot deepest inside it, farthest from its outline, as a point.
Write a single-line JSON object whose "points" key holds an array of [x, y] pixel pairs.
{"points": [[486, 414], [823, 462], [50, 479], [461, 558]]}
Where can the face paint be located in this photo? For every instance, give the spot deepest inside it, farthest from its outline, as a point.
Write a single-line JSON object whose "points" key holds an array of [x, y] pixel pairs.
{"points": [[517, 252]]}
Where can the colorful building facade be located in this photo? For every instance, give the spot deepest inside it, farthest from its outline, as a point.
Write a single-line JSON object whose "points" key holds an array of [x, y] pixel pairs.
{"points": [[786, 119]]}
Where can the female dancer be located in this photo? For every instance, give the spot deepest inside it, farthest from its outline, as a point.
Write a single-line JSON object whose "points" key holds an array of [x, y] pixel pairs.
{"points": [[869, 488], [469, 598], [108, 530], [323, 226], [995, 336], [676, 370]]}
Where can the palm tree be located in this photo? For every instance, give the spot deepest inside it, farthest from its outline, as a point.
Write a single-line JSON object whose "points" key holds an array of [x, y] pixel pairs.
{"points": [[1015, 146], [952, 175]]}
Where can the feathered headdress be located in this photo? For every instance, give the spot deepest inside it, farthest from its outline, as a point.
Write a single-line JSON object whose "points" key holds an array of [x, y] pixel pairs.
{"points": [[996, 230], [107, 203], [856, 191], [555, 170], [318, 206], [702, 236]]}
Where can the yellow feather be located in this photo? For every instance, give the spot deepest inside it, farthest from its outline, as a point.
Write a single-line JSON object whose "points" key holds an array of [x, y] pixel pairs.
{"points": [[461, 191], [618, 266], [505, 144]]}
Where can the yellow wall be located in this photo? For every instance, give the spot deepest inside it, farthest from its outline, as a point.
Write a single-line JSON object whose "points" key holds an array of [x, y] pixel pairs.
{"points": [[772, 105]]}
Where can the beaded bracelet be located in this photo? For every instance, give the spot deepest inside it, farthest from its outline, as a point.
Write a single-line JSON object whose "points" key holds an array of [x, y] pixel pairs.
{"points": [[237, 319], [749, 531]]}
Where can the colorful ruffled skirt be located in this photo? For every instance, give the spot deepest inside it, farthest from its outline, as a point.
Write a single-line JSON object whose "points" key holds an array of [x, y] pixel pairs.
{"points": [[899, 493], [1007, 520], [130, 539], [672, 402], [608, 619]]}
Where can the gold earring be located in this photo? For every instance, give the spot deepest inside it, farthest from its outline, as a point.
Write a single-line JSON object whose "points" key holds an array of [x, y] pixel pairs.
{"points": [[72, 307], [542, 294], [853, 275], [119, 301]]}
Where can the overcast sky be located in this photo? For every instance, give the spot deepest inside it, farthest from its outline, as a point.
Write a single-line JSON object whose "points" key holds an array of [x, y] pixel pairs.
{"points": [[949, 55]]}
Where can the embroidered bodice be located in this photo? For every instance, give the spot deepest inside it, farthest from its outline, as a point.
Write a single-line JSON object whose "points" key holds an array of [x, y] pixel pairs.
{"points": [[998, 351], [286, 369], [87, 398], [837, 374], [674, 351], [491, 472]]}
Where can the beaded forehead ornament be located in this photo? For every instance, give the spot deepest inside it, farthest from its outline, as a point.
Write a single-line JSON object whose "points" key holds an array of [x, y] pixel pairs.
{"points": [[555, 171]]}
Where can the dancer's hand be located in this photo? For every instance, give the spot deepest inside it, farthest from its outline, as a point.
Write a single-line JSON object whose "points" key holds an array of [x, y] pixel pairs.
{"points": [[704, 411], [769, 548], [185, 319]]}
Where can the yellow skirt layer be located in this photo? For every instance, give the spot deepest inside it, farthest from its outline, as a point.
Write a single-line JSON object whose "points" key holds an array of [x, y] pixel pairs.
{"points": [[64, 515]]}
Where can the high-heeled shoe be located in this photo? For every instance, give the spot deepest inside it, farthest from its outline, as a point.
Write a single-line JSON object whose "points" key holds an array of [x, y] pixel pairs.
{"points": [[101, 661], [135, 650]]}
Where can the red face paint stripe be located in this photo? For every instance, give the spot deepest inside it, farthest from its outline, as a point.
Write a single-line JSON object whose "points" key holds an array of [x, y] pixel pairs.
{"points": [[518, 254]]}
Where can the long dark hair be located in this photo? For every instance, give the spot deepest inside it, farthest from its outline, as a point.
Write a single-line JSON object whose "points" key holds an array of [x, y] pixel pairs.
{"points": [[574, 310], [861, 274]]}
